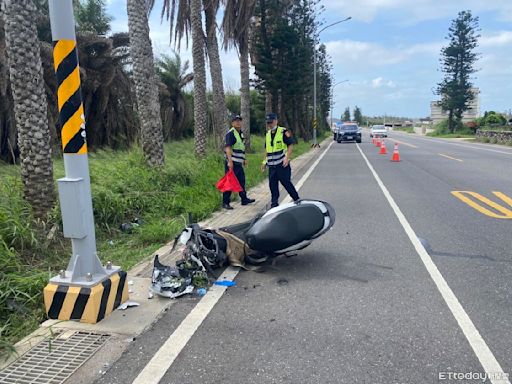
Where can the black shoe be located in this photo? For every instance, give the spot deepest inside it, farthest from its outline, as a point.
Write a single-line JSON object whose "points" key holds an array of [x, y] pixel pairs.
{"points": [[227, 206], [248, 201]]}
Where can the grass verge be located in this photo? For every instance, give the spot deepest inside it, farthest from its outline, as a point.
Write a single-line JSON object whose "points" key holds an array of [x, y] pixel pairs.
{"points": [[123, 189], [452, 135], [404, 129]]}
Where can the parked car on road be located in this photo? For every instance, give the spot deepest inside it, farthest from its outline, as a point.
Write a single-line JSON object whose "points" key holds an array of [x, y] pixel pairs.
{"points": [[378, 131], [349, 132]]}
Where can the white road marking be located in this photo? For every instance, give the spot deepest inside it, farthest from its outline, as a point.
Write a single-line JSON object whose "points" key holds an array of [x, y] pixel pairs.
{"points": [[462, 145], [482, 351], [156, 368], [449, 157]]}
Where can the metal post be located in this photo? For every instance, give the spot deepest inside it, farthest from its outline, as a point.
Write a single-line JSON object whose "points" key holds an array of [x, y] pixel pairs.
{"points": [[331, 106], [315, 144], [314, 97], [84, 268], [332, 95]]}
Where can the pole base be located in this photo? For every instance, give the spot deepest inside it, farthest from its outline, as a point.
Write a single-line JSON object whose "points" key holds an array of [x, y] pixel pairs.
{"points": [[86, 304]]}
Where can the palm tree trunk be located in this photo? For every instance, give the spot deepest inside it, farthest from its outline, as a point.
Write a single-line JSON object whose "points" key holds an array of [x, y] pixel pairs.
{"points": [[7, 126], [220, 122], [245, 94], [30, 106], [145, 79], [200, 105]]}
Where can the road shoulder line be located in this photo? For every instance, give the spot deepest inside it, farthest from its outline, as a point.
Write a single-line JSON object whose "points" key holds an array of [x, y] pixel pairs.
{"points": [[156, 368], [478, 344]]}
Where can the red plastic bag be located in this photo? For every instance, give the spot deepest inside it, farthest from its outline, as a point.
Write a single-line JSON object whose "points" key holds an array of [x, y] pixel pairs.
{"points": [[229, 183]]}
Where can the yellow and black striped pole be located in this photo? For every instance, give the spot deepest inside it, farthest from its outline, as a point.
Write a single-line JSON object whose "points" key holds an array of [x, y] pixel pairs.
{"points": [[71, 108], [85, 290]]}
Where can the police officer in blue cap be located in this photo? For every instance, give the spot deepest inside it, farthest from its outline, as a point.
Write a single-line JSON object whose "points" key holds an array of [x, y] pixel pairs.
{"points": [[278, 153], [235, 160]]}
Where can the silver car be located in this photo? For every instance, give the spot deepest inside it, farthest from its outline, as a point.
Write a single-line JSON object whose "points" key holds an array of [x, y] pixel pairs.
{"points": [[378, 131]]}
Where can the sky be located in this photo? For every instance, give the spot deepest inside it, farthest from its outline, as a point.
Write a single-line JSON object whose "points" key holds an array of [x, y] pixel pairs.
{"points": [[389, 52]]}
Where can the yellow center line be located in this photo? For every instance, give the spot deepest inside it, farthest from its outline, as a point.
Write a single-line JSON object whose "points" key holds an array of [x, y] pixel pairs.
{"points": [[506, 213], [451, 158], [401, 142], [503, 197]]}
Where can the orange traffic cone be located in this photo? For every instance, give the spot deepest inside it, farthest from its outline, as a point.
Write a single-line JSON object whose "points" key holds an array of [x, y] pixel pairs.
{"points": [[396, 154], [383, 150], [377, 142]]}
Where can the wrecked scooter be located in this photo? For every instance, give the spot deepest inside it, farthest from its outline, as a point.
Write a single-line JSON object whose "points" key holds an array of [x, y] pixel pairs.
{"points": [[279, 231]]}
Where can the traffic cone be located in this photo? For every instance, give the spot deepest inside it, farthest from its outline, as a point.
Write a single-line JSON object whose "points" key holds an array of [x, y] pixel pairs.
{"points": [[377, 142], [396, 154], [383, 150]]}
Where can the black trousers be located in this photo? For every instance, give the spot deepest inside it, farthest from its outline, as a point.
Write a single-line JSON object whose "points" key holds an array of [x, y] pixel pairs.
{"points": [[279, 174], [238, 169]]}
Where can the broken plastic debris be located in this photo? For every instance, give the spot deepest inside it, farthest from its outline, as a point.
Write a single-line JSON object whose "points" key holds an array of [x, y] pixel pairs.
{"points": [[130, 282], [225, 283], [201, 291], [171, 295], [150, 294], [128, 304]]}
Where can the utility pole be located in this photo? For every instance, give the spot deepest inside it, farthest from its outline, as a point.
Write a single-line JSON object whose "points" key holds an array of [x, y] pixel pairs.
{"points": [[332, 95], [315, 144], [86, 290]]}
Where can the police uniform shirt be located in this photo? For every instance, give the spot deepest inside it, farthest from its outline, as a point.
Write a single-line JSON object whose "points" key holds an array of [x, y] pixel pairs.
{"points": [[231, 139]]}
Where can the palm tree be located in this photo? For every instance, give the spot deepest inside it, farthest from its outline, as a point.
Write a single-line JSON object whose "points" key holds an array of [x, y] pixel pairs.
{"points": [[236, 24], [220, 122], [145, 79], [200, 106], [174, 76], [180, 14], [30, 106], [91, 17], [8, 147]]}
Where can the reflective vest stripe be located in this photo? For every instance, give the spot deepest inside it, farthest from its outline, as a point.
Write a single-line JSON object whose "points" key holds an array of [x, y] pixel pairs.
{"points": [[237, 157], [276, 160]]}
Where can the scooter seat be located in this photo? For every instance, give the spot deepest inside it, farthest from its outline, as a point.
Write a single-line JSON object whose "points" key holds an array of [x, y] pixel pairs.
{"points": [[282, 229]]}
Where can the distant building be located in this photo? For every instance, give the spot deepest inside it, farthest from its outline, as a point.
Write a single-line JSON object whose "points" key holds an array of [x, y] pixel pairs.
{"points": [[437, 115]]}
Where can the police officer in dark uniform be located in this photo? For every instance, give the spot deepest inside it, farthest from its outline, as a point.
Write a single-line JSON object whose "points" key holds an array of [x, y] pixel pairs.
{"points": [[278, 152], [235, 160]]}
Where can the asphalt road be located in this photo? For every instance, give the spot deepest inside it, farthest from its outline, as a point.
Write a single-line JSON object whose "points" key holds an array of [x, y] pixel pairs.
{"points": [[358, 305]]}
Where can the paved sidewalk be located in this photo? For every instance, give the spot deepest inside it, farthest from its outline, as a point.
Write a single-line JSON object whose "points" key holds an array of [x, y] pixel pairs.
{"points": [[124, 326]]}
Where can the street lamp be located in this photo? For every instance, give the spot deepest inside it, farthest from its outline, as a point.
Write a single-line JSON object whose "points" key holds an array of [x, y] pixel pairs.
{"points": [[315, 144], [332, 94]]}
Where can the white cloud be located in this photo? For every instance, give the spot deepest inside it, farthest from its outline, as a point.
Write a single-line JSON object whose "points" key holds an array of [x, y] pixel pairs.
{"points": [[360, 53], [380, 82], [377, 83], [415, 11], [499, 39]]}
